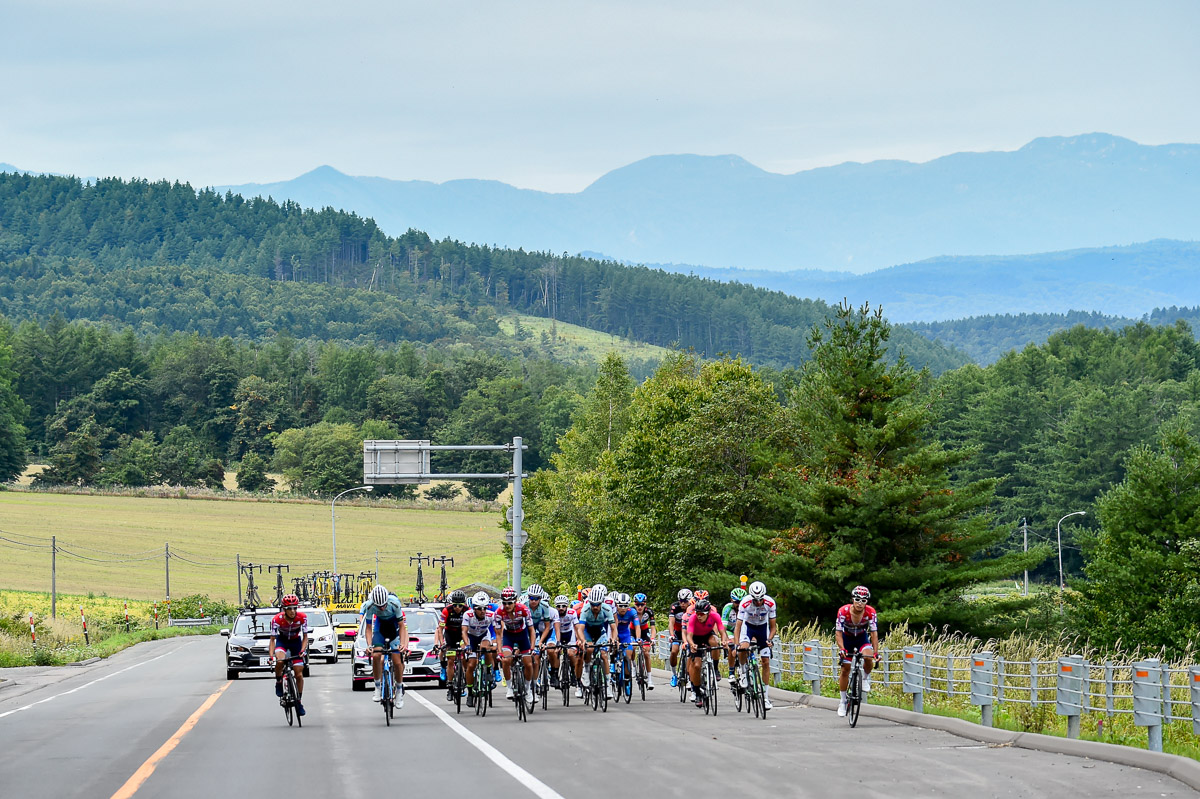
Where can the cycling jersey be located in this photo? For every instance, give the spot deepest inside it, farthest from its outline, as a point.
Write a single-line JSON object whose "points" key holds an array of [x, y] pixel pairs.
{"points": [[702, 626], [646, 619], [478, 628], [626, 622], [515, 619], [677, 612], [729, 615], [452, 620], [564, 626], [544, 614], [597, 617], [848, 626], [757, 615], [285, 629]]}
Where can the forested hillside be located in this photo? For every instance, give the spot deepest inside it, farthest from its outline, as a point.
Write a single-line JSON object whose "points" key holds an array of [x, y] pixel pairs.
{"points": [[161, 256]]}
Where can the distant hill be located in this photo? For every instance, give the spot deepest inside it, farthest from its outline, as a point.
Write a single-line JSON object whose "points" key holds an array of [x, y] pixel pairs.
{"points": [[1052, 194], [1116, 281]]}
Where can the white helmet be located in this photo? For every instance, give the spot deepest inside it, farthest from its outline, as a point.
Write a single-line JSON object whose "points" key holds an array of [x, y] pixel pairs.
{"points": [[597, 595], [623, 600], [603, 588], [379, 596], [480, 600], [684, 594], [757, 590], [535, 592]]}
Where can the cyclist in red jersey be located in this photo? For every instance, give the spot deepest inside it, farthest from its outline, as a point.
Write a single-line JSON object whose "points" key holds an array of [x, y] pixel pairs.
{"points": [[856, 630], [289, 637], [514, 631]]}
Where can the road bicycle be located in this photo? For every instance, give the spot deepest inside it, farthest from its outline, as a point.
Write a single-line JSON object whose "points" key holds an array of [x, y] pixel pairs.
{"points": [[755, 692], [681, 673], [622, 674], [457, 684], [566, 674], [290, 700], [854, 691], [639, 669], [485, 682], [541, 686], [389, 688], [594, 692], [708, 678], [516, 671]]}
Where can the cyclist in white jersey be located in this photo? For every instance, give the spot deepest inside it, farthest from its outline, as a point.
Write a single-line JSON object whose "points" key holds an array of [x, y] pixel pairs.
{"points": [[564, 631], [756, 622]]}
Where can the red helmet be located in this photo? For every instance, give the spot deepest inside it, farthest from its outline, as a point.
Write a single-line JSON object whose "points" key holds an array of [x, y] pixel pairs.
{"points": [[508, 594], [290, 601], [700, 594]]}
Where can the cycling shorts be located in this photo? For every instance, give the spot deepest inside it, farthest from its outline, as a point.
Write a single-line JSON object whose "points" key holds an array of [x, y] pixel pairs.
{"points": [[677, 636], [703, 640], [595, 635], [758, 634], [292, 647], [519, 641], [853, 643], [391, 645], [453, 637], [624, 636], [474, 641]]}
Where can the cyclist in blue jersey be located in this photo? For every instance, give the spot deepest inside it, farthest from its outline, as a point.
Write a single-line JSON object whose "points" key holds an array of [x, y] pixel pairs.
{"points": [[388, 631], [544, 616], [597, 625], [629, 629]]}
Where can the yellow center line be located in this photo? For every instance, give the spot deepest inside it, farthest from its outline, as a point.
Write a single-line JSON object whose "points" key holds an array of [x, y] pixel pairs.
{"points": [[146, 769]]}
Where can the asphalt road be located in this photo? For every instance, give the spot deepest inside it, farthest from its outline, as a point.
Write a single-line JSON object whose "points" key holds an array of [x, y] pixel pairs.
{"points": [[91, 732]]}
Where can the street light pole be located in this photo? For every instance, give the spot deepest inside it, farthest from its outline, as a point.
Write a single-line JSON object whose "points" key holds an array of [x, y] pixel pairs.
{"points": [[333, 517], [1062, 586]]}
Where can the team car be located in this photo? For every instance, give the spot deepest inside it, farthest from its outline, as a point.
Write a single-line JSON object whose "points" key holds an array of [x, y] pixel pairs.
{"points": [[345, 628], [246, 649]]}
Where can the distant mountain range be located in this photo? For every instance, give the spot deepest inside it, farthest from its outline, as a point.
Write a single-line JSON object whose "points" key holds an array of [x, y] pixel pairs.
{"points": [[1052, 194], [1117, 281]]}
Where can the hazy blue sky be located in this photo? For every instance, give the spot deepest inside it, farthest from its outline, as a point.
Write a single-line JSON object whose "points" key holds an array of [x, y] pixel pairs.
{"points": [[550, 95]]}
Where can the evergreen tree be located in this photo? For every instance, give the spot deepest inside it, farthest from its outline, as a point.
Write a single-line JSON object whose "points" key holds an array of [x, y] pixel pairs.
{"points": [[873, 502], [13, 412]]}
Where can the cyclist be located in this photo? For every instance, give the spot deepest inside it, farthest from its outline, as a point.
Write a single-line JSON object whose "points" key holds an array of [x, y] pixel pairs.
{"points": [[449, 631], [696, 597], [729, 619], [289, 637], [544, 615], [678, 610], [649, 632], [629, 629], [388, 631], [515, 632], [856, 630], [756, 622], [702, 626], [479, 632], [597, 626], [564, 630]]}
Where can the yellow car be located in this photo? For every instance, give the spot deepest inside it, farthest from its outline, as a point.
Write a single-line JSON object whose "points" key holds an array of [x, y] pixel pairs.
{"points": [[345, 628]]}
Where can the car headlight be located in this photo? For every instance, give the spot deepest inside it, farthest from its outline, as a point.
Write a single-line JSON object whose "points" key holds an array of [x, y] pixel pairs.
{"points": [[325, 638], [238, 649]]}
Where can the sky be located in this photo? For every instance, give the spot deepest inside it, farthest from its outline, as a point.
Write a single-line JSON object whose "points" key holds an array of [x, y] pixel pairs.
{"points": [[552, 95]]}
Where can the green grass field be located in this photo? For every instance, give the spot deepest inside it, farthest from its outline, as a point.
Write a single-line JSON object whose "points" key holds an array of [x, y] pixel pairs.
{"points": [[584, 341], [213, 532]]}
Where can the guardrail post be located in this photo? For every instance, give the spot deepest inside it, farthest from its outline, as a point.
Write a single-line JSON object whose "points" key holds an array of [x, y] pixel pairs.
{"points": [[777, 660], [1109, 692], [914, 676], [812, 665], [1033, 682], [1000, 679], [1195, 683], [1168, 706], [1068, 696], [1147, 700], [883, 663], [982, 670], [949, 675]]}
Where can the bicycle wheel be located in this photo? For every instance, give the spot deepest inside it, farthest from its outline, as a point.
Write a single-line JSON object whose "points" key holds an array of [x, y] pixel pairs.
{"points": [[565, 678], [386, 691], [712, 687], [289, 691], [739, 697], [627, 682], [477, 689], [518, 686], [544, 681], [458, 683], [641, 676], [681, 676], [854, 696]]}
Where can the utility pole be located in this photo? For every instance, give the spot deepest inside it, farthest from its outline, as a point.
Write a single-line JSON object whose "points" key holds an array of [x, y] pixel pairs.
{"points": [[377, 565], [53, 576], [1025, 529], [167, 562]]}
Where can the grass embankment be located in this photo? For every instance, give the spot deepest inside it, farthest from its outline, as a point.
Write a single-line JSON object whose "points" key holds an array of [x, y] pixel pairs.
{"points": [[60, 640], [1018, 651], [114, 545], [582, 341]]}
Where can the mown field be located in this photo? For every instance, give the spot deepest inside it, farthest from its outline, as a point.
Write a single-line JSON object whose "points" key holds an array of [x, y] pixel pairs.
{"points": [[594, 344], [113, 545]]}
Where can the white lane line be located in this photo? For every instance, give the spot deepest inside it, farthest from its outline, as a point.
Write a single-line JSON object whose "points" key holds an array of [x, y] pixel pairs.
{"points": [[86, 684], [522, 776]]}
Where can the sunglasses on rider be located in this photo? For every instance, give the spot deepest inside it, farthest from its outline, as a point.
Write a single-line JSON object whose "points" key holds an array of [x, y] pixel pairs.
{"points": [[595, 604], [561, 607], [640, 604], [859, 600], [509, 602]]}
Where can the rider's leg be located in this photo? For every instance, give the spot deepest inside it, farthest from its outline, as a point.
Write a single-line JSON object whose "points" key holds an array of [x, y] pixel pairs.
{"points": [[299, 670], [472, 659], [506, 663], [528, 660], [376, 663]]}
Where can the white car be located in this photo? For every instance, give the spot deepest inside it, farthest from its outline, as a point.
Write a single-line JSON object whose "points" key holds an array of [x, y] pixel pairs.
{"points": [[422, 664], [322, 642]]}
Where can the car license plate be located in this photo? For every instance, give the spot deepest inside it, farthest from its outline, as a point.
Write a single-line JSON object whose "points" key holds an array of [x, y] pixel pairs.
{"points": [[264, 661]]}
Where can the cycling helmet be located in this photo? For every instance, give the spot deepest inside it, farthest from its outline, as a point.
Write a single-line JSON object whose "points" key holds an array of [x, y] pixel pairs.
{"points": [[379, 596], [622, 600], [561, 601], [581, 595], [536, 592], [603, 588], [480, 600], [737, 594], [612, 596], [703, 606], [684, 594], [700, 594], [458, 597], [757, 590], [596, 597], [508, 594], [860, 592], [290, 601], [639, 598]]}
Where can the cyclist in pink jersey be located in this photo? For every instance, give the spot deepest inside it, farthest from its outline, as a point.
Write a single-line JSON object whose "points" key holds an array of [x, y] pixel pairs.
{"points": [[702, 627], [856, 630]]}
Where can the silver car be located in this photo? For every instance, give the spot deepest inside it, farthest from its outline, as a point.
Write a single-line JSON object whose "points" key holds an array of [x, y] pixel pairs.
{"points": [[322, 642]]}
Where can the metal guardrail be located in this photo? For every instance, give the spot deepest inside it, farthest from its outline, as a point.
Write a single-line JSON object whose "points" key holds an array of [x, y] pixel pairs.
{"points": [[193, 622]]}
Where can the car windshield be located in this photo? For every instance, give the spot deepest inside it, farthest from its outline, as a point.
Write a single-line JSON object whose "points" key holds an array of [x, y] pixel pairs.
{"points": [[253, 625], [345, 618], [419, 622], [317, 618]]}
